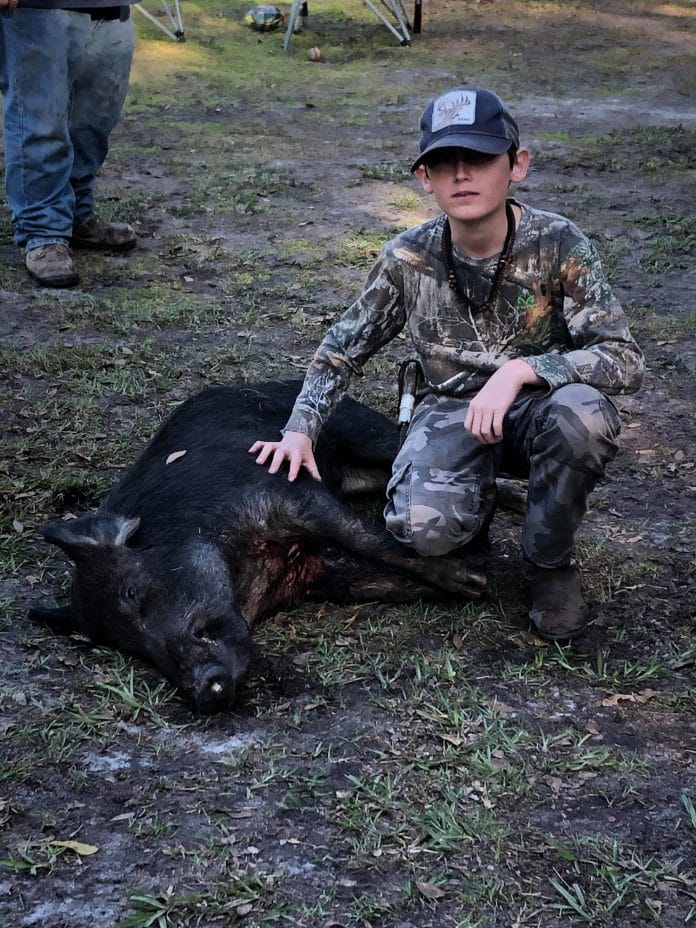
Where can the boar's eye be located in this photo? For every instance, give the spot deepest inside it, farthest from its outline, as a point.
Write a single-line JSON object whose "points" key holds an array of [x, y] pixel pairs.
{"points": [[131, 593]]}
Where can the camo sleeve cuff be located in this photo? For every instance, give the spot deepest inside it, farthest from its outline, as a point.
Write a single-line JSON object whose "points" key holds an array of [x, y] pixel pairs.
{"points": [[551, 368], [303, 420]]}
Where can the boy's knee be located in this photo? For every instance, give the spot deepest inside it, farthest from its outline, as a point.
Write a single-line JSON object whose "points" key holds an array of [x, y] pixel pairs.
{"points": [[436, 515], [584, 421], [428, 532]]}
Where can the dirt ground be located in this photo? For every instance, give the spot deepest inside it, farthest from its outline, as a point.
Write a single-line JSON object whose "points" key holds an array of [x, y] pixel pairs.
{"points": [[400, 767]]}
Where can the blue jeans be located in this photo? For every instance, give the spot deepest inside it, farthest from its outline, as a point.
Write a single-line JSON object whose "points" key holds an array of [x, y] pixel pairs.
{"points": [[64, 78]]}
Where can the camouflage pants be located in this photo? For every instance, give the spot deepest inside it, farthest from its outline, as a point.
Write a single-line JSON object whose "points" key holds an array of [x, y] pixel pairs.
{"points": [[442, 489]]}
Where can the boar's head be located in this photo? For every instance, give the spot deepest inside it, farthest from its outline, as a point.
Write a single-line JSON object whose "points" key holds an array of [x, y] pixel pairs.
{"points": [[173, 603]]}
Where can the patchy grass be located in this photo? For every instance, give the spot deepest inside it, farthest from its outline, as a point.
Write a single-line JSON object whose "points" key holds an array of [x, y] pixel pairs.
{"points": [[672, 243], [424, 766]]}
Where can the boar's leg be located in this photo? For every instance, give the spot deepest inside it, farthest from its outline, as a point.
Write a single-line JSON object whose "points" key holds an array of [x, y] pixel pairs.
{"points": [[349, 579], [355, 450], [307, 511], [450, 574]]}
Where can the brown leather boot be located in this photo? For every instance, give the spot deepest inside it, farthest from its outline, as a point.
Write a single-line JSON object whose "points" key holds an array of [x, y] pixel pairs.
{"points": [[97, 235], [52, 265], [558, 610]]}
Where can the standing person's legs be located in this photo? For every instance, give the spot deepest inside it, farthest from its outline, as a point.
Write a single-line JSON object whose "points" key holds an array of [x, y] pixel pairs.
{"points": [[3, 61], [442, 490], [38, 153], [100, 84], [566, 439]]}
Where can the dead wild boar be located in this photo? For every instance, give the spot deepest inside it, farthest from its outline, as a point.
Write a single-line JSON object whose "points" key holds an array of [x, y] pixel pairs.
{"points": [[196, 542]]}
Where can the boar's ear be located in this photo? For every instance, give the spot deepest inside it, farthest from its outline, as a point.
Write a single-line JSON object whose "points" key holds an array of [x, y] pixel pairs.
{"points": [[60, 619], [79, 537]]}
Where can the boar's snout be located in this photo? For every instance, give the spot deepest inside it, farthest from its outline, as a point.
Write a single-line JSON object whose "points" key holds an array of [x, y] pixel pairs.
{"points": [[215, 691]]}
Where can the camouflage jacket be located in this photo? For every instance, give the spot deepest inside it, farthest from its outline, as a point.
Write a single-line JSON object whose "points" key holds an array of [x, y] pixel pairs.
{"points": [[554, 308]]}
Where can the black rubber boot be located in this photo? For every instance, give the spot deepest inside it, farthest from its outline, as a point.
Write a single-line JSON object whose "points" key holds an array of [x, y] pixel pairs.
{"points": [[558, 611]]}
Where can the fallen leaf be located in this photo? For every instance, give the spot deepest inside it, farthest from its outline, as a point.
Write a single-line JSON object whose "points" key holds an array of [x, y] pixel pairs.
{"points": [[452, 739], [174, 456], [529, 638], [641, 697], [70, 660], [502, 707], [615, 699], [244, 909], [18, 526], [300, 660], [123, 817], [556, 783], [430, 890], [84, 850]]}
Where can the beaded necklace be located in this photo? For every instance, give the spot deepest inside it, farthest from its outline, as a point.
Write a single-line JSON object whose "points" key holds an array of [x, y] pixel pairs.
{"points": [[500, 270]]}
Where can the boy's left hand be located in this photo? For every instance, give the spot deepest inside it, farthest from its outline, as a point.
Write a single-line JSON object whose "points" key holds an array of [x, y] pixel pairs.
{"points": [[484, 418]]}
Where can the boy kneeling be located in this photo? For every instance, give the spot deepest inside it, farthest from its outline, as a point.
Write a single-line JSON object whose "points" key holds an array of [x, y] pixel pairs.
{"points": [[520, 340]]}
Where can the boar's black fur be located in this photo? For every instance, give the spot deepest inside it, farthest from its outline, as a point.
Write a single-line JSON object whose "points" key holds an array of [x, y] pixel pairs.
{"points": [[196, 542]]}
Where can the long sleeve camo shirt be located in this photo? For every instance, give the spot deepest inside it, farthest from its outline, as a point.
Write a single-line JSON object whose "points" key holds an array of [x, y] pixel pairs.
{"points": [[554, 308]]}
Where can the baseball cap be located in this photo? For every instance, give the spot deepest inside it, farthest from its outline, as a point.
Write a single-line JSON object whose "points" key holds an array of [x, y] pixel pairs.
{"points": [[467, 118]]}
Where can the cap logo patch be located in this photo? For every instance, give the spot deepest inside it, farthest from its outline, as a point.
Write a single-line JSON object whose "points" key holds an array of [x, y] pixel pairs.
{"points": [[456, 108]]}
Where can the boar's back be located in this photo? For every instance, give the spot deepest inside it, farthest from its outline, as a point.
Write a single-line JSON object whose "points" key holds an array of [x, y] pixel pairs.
{"points": [[197, 467]]}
